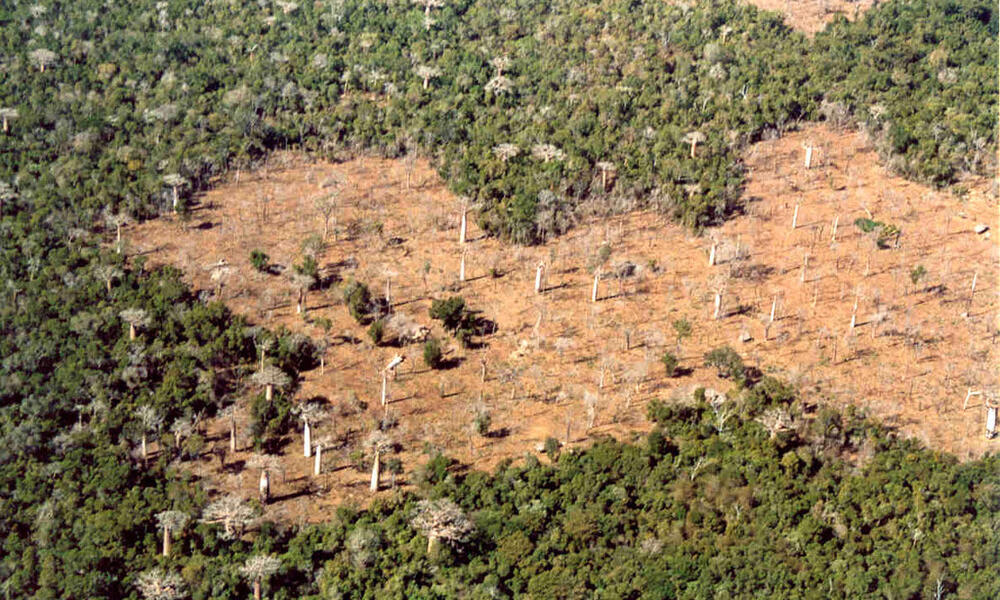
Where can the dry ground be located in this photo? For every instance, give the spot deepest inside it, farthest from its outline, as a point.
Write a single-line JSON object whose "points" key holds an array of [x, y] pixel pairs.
{"points": [[913, 354], [811, 16]]}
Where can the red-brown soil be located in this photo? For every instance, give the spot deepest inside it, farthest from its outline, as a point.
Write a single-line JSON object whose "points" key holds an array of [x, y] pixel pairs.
{"points": [[912, 370], [811, 16]]}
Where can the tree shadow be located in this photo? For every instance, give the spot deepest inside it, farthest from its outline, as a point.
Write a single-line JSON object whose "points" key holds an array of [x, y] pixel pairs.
{"points": [[498, 433]]}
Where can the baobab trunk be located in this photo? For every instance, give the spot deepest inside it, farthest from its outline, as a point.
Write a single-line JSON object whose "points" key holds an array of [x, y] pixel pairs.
{"points": [[538, 278], [175, 198], [465, 223], [232, 436], [597, 281], [711, 255], [298, 304], [6, 126], [256, 589], [431, 539], [774, 306], [805, 262], [166, 541], [145, 450], [388, 293], [795, 217], [306, 440], [836, 220], [718, 306], [461, 269], [809, 157], [376, 468], [265, 487], [131, 328], [972, 293], [318, 463], [694, 147], [269, 392], [385, 385]]}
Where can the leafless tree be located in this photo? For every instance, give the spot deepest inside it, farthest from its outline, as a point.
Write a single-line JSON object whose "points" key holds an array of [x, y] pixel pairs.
{"points": [[258, 569], [506, 152], [309, 413], [232, 512], [500, 63], [605, 167], [694, 138], [108, 273], [117, 221], [590, 405], [42, 58], [427, 72], [157, 584], [325, 206], [230, 414], [135, 317], [547, 153], [8, 114], [319, 444], [442, 519], [266, 463], [499, 86], [270, 377], [378, 443], [150, 420], [172, 522], [175, 181]]}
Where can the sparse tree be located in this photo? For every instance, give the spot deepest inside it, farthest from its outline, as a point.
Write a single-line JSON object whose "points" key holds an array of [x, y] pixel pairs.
{"points": [[547, 153], [319, 444], [505, 151], [42, 58], [694, 138], [172, 522], [136, 318], [270, 377], [325, 206], [499, 86], [605, 167], [258, 569], [7, 115], [500, 63], [157, 584], [442, 519], [427, 72], [108, 273], [232, 512], [150, 420], [175, 181], [378, 443], [682, 328], [117, 221], [230, 413], [309, 413]]}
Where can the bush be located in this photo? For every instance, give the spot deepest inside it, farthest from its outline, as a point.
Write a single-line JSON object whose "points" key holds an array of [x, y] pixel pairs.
{"points": [[377, 332], [727, 363], [482, 422], [432, 353], [670, 363], [259, 260], [552, 447], [450, 312], [359, 301]]}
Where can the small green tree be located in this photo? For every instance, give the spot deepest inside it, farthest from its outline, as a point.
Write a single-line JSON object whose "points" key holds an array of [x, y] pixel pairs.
{"points": [[670, 363], [432, 353], [377, 332], [359, 301], [259, 260], [682, 327], [451, 312], [916, 274], [727, 363]]}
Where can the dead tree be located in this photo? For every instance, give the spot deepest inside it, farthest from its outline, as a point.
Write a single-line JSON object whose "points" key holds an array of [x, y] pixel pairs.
{"points": [[266, 463], [172, 522], [150, 420]]}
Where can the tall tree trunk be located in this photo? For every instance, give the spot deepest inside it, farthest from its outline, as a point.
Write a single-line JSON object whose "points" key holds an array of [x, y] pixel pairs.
{"points": [[385, 387], [232, 435], [145, 449], [166, 541], [131, 332], [538, 278], [318, 463], [265, 487], [597, 281], [306, 440], [465, 222], [376, 468], [256, 589], [269, 392]]}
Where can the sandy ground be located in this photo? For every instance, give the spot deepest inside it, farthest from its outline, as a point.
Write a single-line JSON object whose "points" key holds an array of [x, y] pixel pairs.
{"points": [[914, 352], [811, 16]]}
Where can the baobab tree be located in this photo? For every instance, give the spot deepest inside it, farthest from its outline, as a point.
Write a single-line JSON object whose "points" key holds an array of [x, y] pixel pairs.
{"points": [[505, 151], [605, 167], [441, 519], [427, 72], [258, 569], [172, 522], [309, 413], [157, 584], [500, 63], [302, 283], [150, 420], [135, 317], [117, 221], [378, 443], [266, 463], [232, 512], [428, 5], [42, 58], [108, 273], [230, 413], [547, 153], [499, 86], [175, 181], [270, 377], [320, 443], [694, 138], [8, 115]]}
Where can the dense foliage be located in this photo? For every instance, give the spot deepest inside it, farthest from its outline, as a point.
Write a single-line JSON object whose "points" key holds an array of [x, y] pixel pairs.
{"points": [[539, 112]]}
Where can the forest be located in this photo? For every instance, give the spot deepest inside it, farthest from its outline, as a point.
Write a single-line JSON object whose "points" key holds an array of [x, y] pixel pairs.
{"points": [[540, 113]]}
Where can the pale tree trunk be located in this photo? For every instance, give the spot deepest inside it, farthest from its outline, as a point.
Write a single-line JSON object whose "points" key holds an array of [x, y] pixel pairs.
{"points": [[175, 199], [538, 278], [256, 589], [711, 255], [318, 462], [265, 487], [385, 387], [597, 281], [376, 468], [269, 392], [131, 331], [232, 436], [431, 541], [774, 306], [465, 223], [694, 147], [461, 269], [306, 440], [836, 220], [145, 449], [795, 217], [166, 541], [718, 306], [108, 282], [6, 126], [809, 157]]}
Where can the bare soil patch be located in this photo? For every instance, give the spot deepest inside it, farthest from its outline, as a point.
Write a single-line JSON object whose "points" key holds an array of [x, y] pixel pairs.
{"points": [[913, 354], [812, 16]]}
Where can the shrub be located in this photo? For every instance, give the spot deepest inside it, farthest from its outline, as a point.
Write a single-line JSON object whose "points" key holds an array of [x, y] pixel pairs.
{"points": [[359, 301], [451, 312], [432, 353], [670, 363], [377, 332], [482, 421], [552, 447], [727, 363], [259, 260]]}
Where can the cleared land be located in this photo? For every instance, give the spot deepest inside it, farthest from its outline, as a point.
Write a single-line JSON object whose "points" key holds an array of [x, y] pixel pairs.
{"points": [[915, 350], [811, 16]]}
